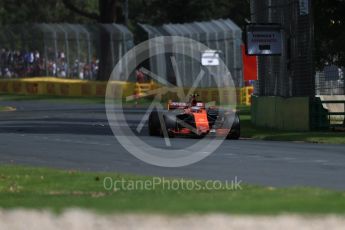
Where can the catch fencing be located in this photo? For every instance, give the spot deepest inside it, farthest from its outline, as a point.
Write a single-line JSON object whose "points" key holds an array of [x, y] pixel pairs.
{"points": [[218, 35], [60, 50], [75, 51], [330, 81]]}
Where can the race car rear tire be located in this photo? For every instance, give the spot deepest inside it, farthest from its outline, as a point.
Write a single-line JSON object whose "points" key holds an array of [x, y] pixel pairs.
{"points": [[154, 124]]}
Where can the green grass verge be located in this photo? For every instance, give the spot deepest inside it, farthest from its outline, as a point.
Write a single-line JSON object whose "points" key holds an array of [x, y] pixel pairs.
{"points": [[2, 108], [7, 108], [250, 131], [40, 188]]}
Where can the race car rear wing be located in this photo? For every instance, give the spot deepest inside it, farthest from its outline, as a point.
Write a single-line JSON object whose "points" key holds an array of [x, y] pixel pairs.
{"points": [[184, 105], [177, 105]]}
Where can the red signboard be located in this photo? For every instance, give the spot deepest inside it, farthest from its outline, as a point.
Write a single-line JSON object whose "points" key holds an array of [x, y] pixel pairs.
{"points": [[250, 66]]}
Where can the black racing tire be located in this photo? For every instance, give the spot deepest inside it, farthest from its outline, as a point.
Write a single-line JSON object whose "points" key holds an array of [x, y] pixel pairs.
{"points": [[154, 124], [170, 124], [235, 131]]}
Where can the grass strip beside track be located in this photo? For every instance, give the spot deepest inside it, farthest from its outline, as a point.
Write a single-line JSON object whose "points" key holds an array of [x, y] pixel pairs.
{"points": [[7, 108], [40, 188], [248, 130]]}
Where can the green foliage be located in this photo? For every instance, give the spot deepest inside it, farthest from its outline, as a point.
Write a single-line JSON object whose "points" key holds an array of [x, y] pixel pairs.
{"points": [[180, 11], [36, 11], [329, 32], [147, 11]]}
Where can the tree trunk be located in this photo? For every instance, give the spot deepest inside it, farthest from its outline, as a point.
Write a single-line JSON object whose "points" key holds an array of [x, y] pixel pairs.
{"points": [[107, 11], [107, 15]]}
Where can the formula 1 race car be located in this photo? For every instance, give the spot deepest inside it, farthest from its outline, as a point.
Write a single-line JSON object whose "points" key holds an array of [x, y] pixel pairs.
{"points": [[194, 119]]}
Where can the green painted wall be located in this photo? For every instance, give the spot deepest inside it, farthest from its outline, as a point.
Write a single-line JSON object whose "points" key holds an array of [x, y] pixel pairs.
{"points": [[281, 113]]}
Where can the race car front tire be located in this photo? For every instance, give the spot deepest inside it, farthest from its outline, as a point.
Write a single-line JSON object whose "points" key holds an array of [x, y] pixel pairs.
{"points": [[154, 124], [235, 130], [170, 123]]}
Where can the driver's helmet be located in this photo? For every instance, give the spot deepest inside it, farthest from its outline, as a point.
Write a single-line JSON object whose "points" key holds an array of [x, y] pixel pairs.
{"points": [[193, 102]]}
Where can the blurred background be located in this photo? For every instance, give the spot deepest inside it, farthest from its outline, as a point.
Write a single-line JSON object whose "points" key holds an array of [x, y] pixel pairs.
{"points": [[85, 39]]}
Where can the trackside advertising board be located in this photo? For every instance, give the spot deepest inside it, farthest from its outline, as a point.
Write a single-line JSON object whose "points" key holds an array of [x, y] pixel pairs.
{"points": [[263, 39]]}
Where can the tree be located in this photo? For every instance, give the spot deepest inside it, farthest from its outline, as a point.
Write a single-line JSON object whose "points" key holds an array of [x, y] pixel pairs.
{"points": [[107, 10], [181, 11], [37, 11], [329, 20], [107, 13]]}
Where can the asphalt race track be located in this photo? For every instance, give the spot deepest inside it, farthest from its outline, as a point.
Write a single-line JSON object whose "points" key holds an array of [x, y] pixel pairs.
{"points": [[77, 136]]}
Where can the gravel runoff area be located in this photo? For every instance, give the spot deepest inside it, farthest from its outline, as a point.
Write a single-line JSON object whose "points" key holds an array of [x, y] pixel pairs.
{"points": [[84, 220]]}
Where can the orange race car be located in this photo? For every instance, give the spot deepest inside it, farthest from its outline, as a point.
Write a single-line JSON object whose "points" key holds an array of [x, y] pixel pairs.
{"points": [[194, 119]]}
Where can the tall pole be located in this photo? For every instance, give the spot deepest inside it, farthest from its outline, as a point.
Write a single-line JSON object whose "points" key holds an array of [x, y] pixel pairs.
{"points": [[126, 12]]}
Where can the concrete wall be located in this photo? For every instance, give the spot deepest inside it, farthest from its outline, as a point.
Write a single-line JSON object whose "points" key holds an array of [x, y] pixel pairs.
{"points": [[281, 113]]}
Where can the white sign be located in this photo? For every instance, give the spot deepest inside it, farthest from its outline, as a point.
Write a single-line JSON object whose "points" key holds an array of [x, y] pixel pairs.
{"points": [[303, 7], [210, 58], [264, 40]]}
